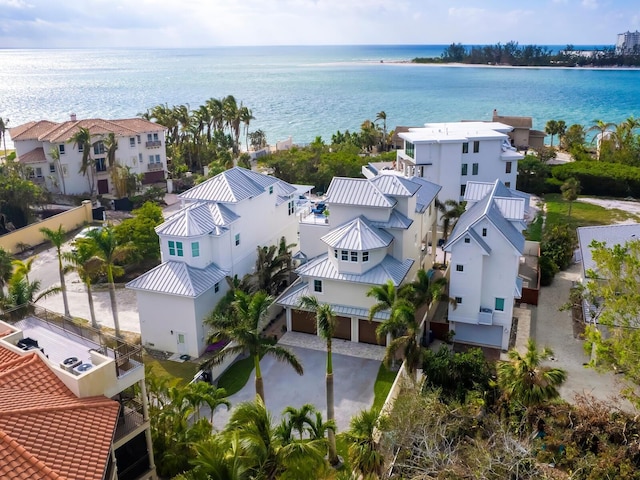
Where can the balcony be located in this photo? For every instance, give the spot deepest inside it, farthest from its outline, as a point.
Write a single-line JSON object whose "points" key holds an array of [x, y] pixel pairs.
{"points": [[155, 167], [485, 317], [130, 419], [153, 144]]}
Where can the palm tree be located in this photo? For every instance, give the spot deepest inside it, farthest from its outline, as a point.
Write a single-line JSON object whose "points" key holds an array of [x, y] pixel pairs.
{"points": [[364, 454], [111, 144], [55, 155], [6, 267], [232, 120], [3, 133], [326, 323], [524, 380], [403, 326], [450, 211], [23, 268], [21, 293], [299, 419], [383, 116], [198, 393], [551, 128], [602, 128], [82, 260], [108, 252], [386, 296], [244, 328], [273, 267], [82, 139], [219, 457], [424, 290], [245, 117], [57, 238]]}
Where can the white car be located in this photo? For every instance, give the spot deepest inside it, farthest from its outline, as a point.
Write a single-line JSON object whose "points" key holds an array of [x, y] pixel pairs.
{"points": [[83, 234]]}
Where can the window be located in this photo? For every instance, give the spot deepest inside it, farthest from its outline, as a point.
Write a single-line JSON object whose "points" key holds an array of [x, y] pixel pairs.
{"points": [[507, 168], [476, 146], [195, 249], [81, 147], [484, 232], [237, 239], [409, 149], [335, 253], [467, 240], [179, 249], [151, 157], [175, 248], [292, 208], [465, 147], [52, 168], [132, 141], [474, 169], [216, 288], [507, 184], [500, 304], [140, 157], [317, 286], [98, 148], [149, 137], [464, 168], [155, 137], [463, 188], [459, 268], [158, 158], [458, 300], [354, 256], [138, 137], [101, 164], [270, 189], [365, 256], [38, 172], [61, 148], [344, 255]]}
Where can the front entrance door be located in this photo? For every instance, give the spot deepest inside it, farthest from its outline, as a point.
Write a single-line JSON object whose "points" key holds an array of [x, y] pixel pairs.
{"points": [[103, 186], [181, 338]]}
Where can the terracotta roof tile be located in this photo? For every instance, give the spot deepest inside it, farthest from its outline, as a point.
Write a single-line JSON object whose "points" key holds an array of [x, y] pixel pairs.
{"points": [[34, 156], [45, 430]]}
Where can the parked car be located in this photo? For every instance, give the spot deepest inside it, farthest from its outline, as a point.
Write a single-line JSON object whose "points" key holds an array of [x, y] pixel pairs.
{"points": [[84, 233], [319, 208]]}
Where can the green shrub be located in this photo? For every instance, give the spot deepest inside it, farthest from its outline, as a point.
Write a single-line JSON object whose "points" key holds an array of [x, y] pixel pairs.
{"points": [[601, 178], [548, 270]]}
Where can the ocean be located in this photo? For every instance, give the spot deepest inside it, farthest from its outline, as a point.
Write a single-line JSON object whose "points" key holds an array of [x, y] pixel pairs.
{"points": [[306, 91]]}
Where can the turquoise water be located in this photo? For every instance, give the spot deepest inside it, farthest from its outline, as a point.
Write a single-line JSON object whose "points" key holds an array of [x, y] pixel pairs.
{"points": [[305, 91]]}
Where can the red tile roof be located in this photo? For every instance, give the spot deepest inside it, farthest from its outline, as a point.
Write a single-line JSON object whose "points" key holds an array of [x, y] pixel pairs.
{"points": [[44, 130], [45, 430], [34, 156]]}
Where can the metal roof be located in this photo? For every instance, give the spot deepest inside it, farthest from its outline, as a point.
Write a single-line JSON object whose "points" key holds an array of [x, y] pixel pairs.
{"points": [[358, 192], [200, 218], [396, 220], [358, 234], [388, 269], [178, 278], [292, 295], [512, 203], [487, 209], [395, 185], [609, 234], [426, 193], [236, 185]]}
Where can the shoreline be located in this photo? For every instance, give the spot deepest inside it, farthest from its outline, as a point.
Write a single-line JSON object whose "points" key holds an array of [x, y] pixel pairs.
{"points": [[481, 65]]}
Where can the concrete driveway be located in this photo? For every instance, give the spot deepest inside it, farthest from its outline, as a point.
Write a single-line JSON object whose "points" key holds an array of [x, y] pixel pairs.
{"points": [[353, 382], [554, 329]]}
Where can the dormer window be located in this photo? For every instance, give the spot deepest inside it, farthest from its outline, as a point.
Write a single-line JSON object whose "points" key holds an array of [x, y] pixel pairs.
{"points": [[365, 257], [344, 255], [335, 253], [484, 232], [317, 286], [467, 240], [270, 189], [354, 256]]}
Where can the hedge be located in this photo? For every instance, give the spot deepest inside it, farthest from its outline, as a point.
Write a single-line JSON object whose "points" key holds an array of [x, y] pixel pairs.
{"points": [[600, 178]]}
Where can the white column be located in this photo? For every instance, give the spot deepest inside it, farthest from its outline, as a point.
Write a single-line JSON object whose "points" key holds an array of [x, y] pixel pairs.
{"points": [[145, 416], [355, 329], [288, 314]]}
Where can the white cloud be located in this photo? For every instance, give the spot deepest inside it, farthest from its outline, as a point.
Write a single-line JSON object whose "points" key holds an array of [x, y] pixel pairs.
{"points": [[15, 4], [590, 4]]}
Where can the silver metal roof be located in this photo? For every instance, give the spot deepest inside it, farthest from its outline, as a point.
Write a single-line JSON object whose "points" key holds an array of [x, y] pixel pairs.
{"points": [[426, 194], [388, 269], [200, 218], [178, 278], [358, 192], [292, 295], [396, 220], [609, 234], [395, 185], [236, 185], [358, 234], [487, 209]]}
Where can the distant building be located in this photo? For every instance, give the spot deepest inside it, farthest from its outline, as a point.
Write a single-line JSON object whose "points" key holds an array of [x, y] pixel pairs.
{"points": [[628, 42], [141, 147], [523, 136]]}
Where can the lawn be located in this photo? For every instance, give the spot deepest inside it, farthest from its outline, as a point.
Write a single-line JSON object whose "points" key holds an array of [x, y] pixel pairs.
{"points": [[381, 388], [236, 376], [582, 214], [183, 371]]}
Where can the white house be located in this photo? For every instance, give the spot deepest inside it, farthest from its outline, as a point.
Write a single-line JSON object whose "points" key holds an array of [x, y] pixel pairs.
{"points": [[213, 236], [141, 147], [451, 154], [486, 247], [373, 233]]}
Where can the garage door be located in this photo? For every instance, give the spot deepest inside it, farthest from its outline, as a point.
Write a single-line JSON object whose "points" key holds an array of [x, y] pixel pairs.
{"points": [[304, 322], [489, 335], [343, 328], [367, 331]]}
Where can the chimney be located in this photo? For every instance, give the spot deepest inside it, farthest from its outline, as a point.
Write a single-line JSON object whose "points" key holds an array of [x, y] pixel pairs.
{"points": [[73, 117]]}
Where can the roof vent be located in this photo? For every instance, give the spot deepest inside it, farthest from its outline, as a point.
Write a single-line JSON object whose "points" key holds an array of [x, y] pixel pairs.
{"points": [[70, 363], [73, 117], [82, 368]]}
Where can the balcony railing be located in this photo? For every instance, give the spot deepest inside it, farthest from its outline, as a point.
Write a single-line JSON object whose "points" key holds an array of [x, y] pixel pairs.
{"points": [[485, 317], [154, 167], [131, 417], [153, 144], [128, 357]]}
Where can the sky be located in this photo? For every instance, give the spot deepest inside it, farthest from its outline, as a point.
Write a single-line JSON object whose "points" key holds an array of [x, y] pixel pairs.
{"points": [[208, 23]]}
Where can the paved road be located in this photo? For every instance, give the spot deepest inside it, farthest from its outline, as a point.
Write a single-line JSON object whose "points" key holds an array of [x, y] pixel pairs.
{"points": [[554, 329]]}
